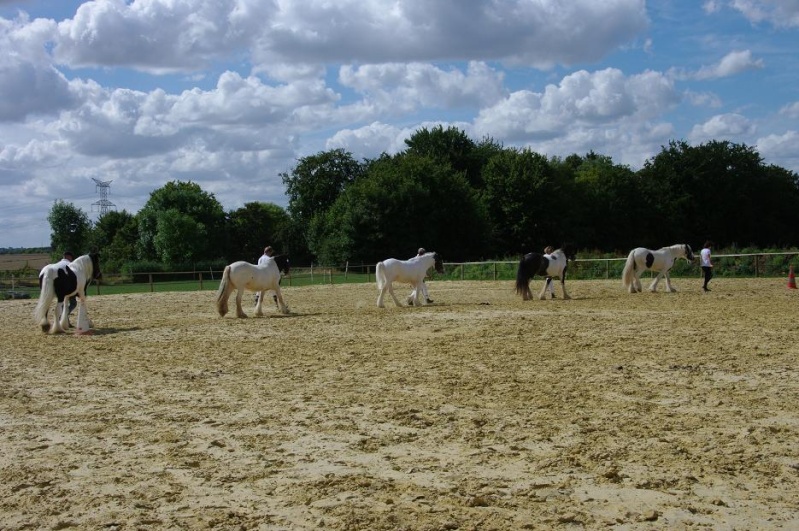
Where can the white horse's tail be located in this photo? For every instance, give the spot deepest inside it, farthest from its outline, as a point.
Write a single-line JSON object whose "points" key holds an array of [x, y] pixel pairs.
{"points": [[628, 274], [380, 275], [46, 297], [223, 293]]}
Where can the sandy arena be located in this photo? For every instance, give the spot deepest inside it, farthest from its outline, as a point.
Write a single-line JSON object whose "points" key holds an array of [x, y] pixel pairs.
{"points": [[611, 410]]}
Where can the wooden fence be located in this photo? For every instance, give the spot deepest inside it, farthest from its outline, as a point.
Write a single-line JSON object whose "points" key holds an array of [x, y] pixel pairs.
{"points": [[727, 265]]}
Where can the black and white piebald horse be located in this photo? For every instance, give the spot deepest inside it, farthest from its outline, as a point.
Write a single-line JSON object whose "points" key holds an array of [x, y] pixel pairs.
{"points": [[661, 261], [60, 281], [538, 264]]}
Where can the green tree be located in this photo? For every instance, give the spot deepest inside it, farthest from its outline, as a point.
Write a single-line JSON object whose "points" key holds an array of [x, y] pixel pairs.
{"points": [[718, 190], [522, 198], [453, 146], [178, 236], [316, 182], [607, 205], [70, 229], [201, 208], [253, 227], [115, 235], [401, 203]]}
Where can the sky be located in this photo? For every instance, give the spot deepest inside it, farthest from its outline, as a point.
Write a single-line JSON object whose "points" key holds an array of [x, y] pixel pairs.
{"points": [[229, 94]]}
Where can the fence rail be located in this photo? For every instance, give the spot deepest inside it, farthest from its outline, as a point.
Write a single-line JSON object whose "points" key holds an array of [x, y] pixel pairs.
{"points": [[726, 265]]}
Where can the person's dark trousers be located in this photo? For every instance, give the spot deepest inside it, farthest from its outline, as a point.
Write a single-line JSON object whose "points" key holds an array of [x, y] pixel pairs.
{"points": [[708, 275]]}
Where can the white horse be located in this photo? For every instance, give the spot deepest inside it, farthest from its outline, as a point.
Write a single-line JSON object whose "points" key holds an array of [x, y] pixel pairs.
{"points": [[555, 265], [661, 261], [410, 272], [60, 281], [243, 276]]}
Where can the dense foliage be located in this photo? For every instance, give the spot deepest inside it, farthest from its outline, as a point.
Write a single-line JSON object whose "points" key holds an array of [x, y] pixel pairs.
{"points": [[467, 200]]}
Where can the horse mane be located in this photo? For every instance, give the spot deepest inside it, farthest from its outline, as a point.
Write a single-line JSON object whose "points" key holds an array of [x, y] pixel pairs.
{"points": [[282, 261]]}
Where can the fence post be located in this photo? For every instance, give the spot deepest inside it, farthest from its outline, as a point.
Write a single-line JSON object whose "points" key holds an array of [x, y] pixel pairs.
{"points": [[346, 269], [150, 277], [201, 281]]}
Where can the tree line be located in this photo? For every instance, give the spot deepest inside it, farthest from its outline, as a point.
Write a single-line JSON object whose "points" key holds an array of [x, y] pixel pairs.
{"points": [[466, 199]]}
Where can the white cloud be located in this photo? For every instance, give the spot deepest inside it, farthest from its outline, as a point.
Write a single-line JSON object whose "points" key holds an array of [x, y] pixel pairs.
{"points": [[780, 147], [703, 99], [731, 64], [369, 141], [581, 99], [158, 35], [780, 13], [185, 35], [791, 110], [29, 84], [722, 127], [398, 87]]}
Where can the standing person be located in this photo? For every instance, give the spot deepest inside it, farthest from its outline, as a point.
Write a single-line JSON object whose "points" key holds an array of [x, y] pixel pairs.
{"points": [[548, 250], [268, 253], [706, 263]]}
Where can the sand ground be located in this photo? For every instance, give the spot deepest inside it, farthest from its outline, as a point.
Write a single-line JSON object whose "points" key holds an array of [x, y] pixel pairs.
{"points": [[481, 411]]}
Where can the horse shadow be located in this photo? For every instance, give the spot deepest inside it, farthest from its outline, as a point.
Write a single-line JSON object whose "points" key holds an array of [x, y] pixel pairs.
{"points": [[111, 331]]}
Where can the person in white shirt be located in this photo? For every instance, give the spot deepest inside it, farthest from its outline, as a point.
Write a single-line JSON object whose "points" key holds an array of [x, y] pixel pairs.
{"points": [[268, 253], [706, 263]]}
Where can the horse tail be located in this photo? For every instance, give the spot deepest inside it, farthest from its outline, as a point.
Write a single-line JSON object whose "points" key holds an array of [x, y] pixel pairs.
{"points": [[628, 274], [223, 293], [46, 296], [523, 279], [380, 275]]}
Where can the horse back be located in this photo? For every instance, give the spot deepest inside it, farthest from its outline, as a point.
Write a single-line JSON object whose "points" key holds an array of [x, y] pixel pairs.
{"points": [[409, 271]]}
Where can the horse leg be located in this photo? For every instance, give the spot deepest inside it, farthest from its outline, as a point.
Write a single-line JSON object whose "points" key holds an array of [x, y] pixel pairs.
{"points": [[258, 304], [418, 290], [654, 286], [566, 296], [380, 295], [669, 287], [281, 304], [543, 293], [636, 285], [57, 328], [393, 296], [425, 293], [239, 311]]}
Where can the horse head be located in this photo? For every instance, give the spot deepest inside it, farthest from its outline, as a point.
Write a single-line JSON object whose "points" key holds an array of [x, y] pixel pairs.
{"points": [[569, 250], [282, 261], [96, 273], [689, 254], [438, 263]]}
